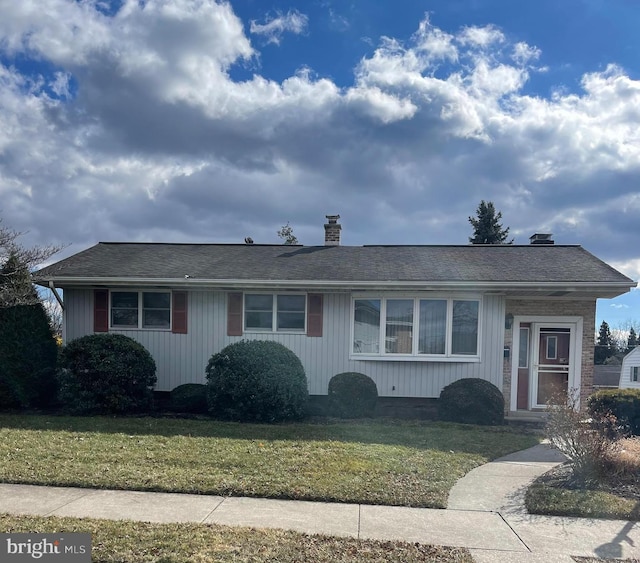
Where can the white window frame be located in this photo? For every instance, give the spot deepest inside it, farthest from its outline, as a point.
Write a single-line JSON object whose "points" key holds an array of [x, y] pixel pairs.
{"points": [[448, 356], [635, 374], [274, 314], [141, 293]]}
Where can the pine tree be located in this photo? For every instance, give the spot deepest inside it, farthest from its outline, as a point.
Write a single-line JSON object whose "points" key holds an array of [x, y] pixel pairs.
{"points": [[487, 228], [632, 340], [605, 347]]}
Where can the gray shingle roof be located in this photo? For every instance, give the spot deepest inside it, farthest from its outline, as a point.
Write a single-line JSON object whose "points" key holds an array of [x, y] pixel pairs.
{"points": [[469, 263]]}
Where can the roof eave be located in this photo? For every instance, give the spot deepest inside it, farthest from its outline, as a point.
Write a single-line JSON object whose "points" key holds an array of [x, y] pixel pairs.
{"points": [[604, 289]]}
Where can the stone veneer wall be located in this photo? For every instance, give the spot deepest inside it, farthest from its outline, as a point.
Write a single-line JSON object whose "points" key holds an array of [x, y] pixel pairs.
{"points": [[585, 309]]}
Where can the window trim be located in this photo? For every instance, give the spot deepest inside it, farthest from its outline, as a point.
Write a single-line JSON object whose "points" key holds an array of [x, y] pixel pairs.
{"points": [[274, 313], [140, 293], [554, 339], [448, 356]]}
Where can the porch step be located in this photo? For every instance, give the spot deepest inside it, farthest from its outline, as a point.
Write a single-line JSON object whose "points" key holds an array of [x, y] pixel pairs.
{"points": [[527, 420]]}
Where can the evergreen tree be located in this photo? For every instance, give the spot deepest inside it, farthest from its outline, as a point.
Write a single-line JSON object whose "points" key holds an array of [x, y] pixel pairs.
{"points": [[28, 350], [605, 347], [632, 340], [487, 228]]}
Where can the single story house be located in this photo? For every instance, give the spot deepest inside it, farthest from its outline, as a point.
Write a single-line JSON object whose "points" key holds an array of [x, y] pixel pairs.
{"points": [[413, 318], [630, 370]]}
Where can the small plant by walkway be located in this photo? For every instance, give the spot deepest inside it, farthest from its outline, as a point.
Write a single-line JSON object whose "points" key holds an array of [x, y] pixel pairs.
{"points": [[139, 542], [602, 477], [369, 462]]}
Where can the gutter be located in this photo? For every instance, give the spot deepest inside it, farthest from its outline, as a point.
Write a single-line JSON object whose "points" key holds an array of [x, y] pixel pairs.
{"points": [[185, 282], [53, 288]]}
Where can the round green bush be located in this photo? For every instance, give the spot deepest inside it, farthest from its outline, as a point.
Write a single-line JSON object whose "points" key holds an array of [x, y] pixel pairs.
{"points": [[471, 401], [256, 380], [189, 397], [624, 404], [28, 357], [352, 395], [106, 373]]}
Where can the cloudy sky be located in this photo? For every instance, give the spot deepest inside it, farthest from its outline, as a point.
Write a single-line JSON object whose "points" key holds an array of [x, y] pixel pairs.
{"points": [[196, 120]]}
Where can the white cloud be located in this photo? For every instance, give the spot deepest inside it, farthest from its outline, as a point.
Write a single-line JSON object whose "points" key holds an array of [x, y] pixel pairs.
{"points": [[482, 37], [159, 142], [524, 53], [273, 29]]}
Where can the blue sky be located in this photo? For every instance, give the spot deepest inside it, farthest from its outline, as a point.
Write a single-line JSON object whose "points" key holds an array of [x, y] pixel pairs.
{"points": [[196, 120]]}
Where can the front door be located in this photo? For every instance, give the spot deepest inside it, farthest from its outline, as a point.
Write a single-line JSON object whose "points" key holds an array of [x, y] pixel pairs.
{"points": [[552, 353]]}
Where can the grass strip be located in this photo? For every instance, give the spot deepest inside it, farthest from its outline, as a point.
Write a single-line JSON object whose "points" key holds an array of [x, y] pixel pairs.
{"points": [[559, 501], [407, 463], [139, 542]]}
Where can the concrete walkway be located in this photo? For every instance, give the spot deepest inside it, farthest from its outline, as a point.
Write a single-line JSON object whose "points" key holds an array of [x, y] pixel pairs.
{"points": [[485, 514]]}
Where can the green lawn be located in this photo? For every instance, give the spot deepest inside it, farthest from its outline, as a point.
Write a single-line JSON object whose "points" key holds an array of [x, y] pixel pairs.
{"points": [[138, 542], [371, 462]]}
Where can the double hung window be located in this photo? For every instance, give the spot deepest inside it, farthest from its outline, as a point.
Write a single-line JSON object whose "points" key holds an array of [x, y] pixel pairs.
{"points": [[275, 312], [141, 309]]}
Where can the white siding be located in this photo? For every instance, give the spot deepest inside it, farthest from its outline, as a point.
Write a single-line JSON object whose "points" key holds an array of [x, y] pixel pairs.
{"points": [[182, 358], [631, 360]]}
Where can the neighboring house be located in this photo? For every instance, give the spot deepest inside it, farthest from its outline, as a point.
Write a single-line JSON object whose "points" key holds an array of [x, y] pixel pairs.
{"points": [[413, 318], [630, 371], [606, 377]]}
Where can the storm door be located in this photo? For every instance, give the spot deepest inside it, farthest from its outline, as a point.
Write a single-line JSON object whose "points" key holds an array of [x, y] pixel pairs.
{"points": [[552, 354]]}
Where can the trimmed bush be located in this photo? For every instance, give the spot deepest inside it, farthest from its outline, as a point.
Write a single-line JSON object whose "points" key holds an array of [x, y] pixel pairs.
{"points": [[256, 380], [189, 397], [106, 373], [471, 401], [28, 357], [624, 404], [352, 395]]}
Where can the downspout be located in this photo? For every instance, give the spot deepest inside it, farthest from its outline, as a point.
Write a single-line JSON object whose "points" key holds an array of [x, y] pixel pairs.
{"points": [[52, 287]]}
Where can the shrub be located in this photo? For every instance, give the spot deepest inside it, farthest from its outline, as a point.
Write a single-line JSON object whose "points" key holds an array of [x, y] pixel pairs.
{"points": [[587, 443], [28, 356], [624, 404], [190, 397], [256, 380], [593, 445], [106, 373], [352, 395], [471, 401]]}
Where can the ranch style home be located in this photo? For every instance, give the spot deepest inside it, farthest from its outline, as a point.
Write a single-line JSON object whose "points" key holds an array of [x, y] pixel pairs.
{"points": [[413, 318]]}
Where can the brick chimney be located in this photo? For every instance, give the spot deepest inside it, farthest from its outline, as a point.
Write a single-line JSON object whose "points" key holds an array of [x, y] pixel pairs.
{"points": [[332, 231], [541, 238]]}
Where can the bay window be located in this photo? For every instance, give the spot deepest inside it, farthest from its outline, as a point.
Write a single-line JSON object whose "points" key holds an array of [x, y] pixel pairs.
{"points": [[414, 327]]}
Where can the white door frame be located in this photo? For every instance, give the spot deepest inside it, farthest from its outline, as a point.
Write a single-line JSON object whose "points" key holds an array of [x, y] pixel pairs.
{"points": [[575, 324]]}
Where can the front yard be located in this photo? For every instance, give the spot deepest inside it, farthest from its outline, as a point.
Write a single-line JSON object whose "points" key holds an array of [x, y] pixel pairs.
{"points": [[372, 462], [141, 542]]}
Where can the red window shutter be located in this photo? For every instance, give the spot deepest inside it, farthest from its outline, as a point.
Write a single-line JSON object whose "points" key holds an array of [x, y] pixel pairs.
{"points": [[314, 314], [100, 310], [179, 313], [234, 314]]}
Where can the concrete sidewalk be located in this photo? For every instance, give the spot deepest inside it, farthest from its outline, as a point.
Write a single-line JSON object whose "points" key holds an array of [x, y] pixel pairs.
{"points": [[485, 514]]}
